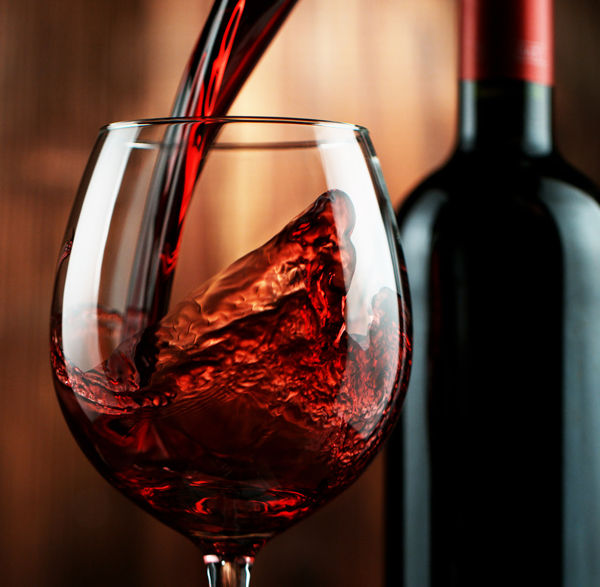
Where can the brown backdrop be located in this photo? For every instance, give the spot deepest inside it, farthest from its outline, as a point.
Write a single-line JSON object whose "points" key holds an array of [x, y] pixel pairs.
{"points": [[66, 68]]}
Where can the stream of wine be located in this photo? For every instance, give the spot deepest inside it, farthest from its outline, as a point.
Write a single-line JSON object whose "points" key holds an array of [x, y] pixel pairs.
{"points": [[232, 41]]}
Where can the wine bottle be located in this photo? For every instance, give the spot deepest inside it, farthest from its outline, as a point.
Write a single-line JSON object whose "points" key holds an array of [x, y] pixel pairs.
{"points": [[493, 476]]}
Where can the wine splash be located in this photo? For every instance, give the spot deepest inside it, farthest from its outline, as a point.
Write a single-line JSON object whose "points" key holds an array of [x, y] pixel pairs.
{"points": [[234, 38], [250, 405], [255, 401]]}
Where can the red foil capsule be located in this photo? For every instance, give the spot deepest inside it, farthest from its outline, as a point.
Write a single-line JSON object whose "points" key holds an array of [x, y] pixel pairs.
{"points": [[507, 39]]}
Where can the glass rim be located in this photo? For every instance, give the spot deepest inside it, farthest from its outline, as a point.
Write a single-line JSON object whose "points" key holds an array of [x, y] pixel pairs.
{"points": [[167, 121]]}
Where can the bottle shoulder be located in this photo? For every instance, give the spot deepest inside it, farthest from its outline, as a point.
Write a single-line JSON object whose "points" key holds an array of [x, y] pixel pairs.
{"points": [[471, 182]]}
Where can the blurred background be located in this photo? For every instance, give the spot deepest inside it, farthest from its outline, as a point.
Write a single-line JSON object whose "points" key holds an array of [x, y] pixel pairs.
{"points": [[66, 68]]}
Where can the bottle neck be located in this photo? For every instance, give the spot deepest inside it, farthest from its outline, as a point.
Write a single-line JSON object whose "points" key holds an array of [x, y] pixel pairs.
{"points": [[506, 75], [505, 115]]}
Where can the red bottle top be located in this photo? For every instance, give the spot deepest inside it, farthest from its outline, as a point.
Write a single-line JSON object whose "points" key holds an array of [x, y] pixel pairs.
{"points": [[507, 39]]}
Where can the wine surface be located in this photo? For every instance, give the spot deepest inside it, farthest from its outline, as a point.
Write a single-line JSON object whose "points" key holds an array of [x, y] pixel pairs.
{"points": [[249, 405]]}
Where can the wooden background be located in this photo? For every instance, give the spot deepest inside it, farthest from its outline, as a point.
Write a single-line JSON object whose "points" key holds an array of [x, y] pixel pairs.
{"points": [[69, 66]]}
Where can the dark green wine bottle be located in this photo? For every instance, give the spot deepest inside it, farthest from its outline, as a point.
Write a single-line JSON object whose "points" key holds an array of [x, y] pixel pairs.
{"points": [[493, 474]]}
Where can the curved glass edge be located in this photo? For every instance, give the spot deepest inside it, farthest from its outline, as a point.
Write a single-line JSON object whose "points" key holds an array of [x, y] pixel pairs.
{"points": [[232, 119]]}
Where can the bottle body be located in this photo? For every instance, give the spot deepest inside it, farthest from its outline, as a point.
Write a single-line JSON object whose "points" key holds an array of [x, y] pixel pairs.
{"points": [[497, 459], [493, 475]]}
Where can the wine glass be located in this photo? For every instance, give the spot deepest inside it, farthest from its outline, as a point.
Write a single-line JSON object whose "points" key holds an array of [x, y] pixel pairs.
{"points": [[230, 324]]}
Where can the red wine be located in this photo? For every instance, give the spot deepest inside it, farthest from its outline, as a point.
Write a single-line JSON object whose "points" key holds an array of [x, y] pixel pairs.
{"points": [[232, 41], [493, 477], [250, 404]]}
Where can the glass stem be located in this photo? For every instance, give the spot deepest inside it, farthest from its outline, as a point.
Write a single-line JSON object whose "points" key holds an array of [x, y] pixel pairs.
{"points": [[228, 572]]}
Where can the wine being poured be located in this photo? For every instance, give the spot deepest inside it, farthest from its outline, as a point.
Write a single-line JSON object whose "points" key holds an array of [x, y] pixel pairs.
{"points": [[234, 38], [265, 391]]}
